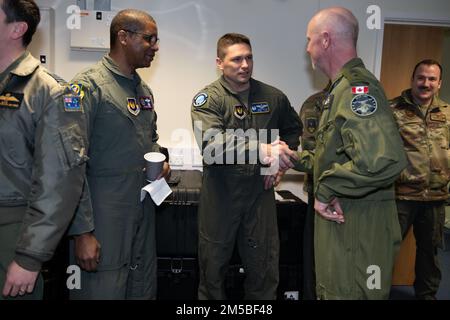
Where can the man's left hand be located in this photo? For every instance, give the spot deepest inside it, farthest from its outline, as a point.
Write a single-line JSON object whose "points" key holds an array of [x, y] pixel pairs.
{"points": [[330, 211], [165, 173], [19, 280]]}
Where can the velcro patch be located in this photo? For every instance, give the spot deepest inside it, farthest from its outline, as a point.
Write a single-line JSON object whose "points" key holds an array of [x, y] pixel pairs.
{"points": [[72, 103], [133, 107], [240, 112], [440, 117], [77, 89], [200, 99], [146, 103], [364, 105], [11, 100], [260, 107]]}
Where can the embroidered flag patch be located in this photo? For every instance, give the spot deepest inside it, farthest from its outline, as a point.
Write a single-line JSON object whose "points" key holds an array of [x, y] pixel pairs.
{"points": [[360, 89]]}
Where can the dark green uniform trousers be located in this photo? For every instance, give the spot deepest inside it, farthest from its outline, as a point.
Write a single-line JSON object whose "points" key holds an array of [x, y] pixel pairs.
{"points": [[234, 207], [309, 272], [128, 265], [9, 233], [347, 254], [427, 218]]}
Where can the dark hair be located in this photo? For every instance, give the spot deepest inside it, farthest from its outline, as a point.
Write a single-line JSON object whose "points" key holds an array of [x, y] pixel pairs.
{"points": [[428, 62], [228, 40], [23, 11], [128, 19]]}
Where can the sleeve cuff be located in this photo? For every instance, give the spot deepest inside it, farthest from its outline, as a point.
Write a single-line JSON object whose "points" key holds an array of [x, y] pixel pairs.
{"points": [[323, 194], [27, 262]]}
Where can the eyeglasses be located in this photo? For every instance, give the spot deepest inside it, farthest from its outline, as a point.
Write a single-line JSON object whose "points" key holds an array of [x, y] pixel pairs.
{"points": [[150, 38]]}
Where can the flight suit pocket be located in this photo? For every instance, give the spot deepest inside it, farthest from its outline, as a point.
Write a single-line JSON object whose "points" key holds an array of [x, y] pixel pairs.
{"points": [[73, 152], [324, 132]]}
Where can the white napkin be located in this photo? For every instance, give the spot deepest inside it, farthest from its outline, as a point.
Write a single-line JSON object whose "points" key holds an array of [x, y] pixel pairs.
{"points": [[158, 190]]}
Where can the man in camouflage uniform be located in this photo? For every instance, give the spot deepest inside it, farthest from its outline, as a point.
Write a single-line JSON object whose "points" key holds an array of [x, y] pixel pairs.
{"points": [[119, 257], [424, 122], [356, 162], [42, 155], [237, 203], [310, 113]]}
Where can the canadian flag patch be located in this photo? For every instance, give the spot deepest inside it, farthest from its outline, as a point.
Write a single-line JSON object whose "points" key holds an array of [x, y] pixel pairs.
{"points": [[360, 89]]}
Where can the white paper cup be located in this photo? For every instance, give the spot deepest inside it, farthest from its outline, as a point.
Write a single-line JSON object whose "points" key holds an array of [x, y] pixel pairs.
{"points": [[154, 165]]}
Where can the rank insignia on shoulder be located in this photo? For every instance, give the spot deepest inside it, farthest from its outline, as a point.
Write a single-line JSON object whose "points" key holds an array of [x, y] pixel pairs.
{"points": [[360, 89], [132, 106], [240, 112], [72, 103], [146, 103], [364, 105], [77, 89], [260, 107], [11, 100], [200, 99]]}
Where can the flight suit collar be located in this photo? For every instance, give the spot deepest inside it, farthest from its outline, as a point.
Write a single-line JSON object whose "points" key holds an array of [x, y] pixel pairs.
{"points": [[111, 65], [436, 103], [227, 86], [351, 64], [23, 66]]}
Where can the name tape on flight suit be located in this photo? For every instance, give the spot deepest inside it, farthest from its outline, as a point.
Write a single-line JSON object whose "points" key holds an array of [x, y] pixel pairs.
{"points": [[260, 107]]}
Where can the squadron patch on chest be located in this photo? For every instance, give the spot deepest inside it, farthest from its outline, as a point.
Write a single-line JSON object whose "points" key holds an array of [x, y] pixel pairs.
{"points": [[240, 112], [146, 103], [364, 105], [133, 107], [11, 100], [200, 99], [260, 107]]}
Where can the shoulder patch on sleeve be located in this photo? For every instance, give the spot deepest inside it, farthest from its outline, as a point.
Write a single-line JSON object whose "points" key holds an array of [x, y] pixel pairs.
{"points": [[364, 105], [200, 99], [72, 103], [77, 89]]}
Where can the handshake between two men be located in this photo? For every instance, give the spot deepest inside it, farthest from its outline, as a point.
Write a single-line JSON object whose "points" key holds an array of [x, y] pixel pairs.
{"points": [[279, 158]]}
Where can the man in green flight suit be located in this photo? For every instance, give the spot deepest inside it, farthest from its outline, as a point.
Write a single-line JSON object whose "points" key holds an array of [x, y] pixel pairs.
{"points": [[424, 124], [42, 155], [235, 120], [358, 156], [119, 256]]}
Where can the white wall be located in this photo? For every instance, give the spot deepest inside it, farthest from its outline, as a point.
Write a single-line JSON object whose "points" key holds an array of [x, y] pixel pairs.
{"points": [[189, 31]]}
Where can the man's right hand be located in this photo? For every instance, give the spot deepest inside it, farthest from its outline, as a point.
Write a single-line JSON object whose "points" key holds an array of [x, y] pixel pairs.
{"points": [[278, 154], [87, 251]]}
